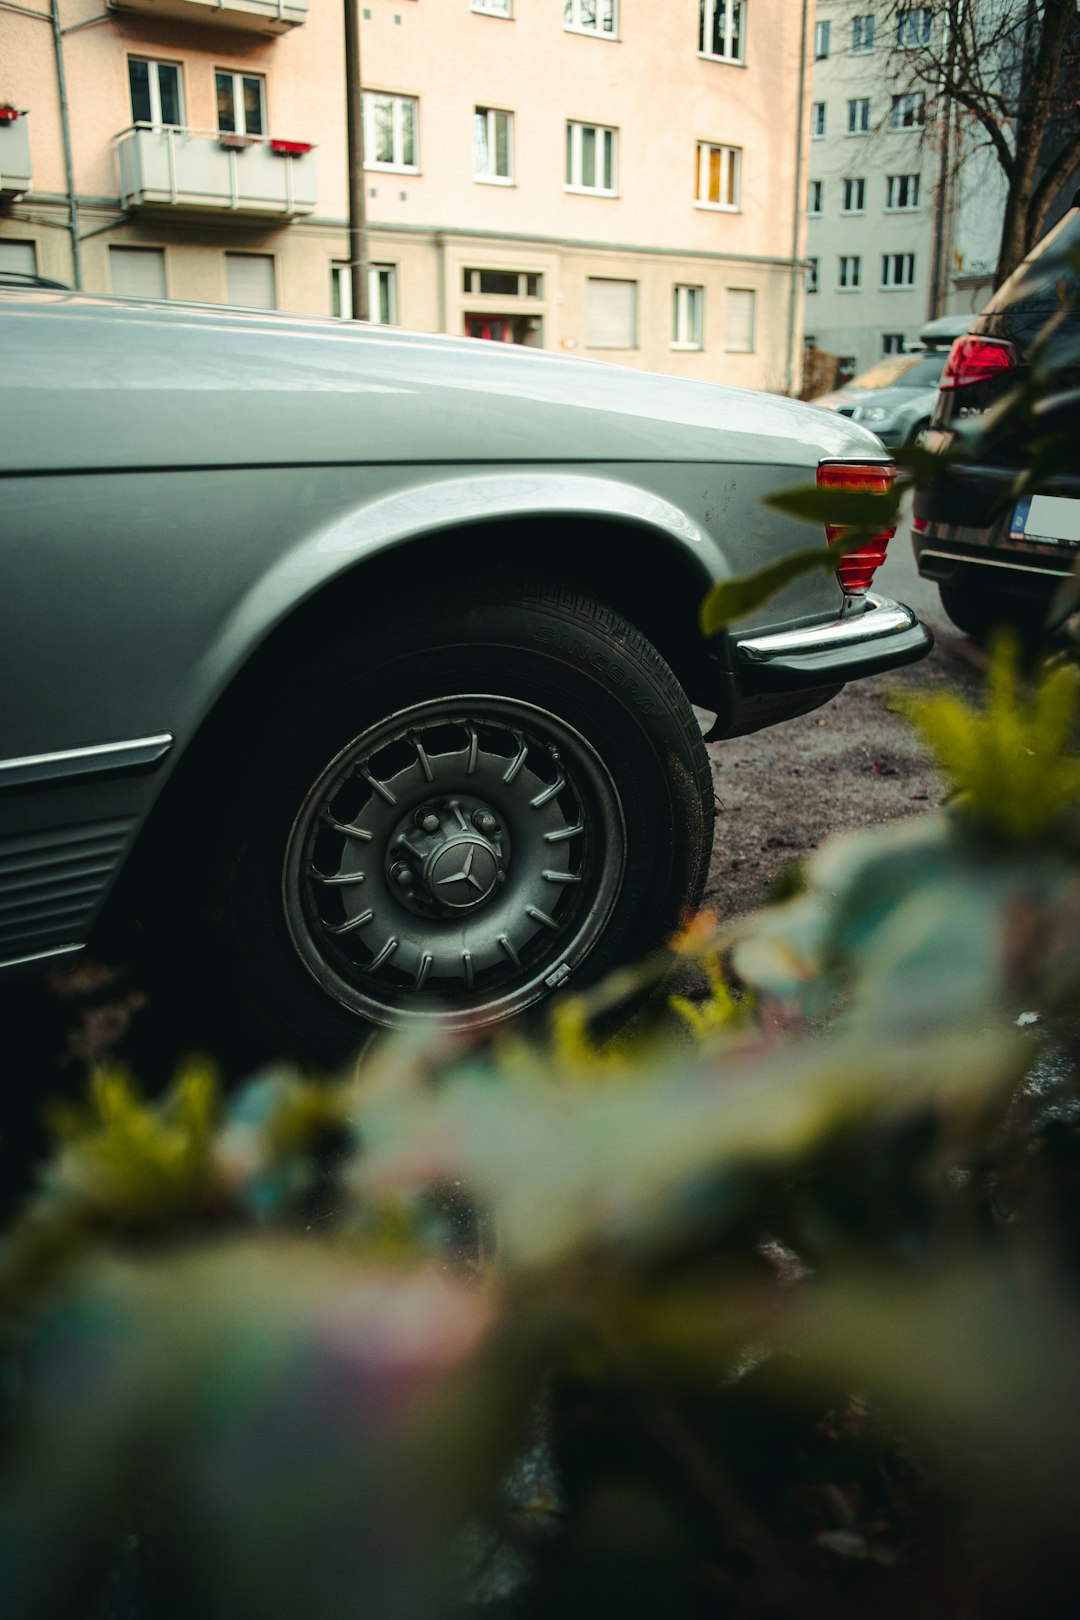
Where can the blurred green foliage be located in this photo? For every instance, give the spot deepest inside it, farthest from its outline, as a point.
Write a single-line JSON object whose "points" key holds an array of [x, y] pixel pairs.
{"points": [[767, 1309]]}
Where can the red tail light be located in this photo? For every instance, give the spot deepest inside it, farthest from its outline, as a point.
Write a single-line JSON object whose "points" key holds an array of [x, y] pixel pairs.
{"points": [[856, 571], [975, 360]]}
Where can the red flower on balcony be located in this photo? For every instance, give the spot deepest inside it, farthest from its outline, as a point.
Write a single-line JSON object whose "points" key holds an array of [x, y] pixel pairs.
{"points": [[8, 114], [290, 148]]}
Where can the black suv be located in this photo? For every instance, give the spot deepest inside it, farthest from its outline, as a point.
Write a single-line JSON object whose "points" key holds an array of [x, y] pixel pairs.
{"points": [[997, 544]]}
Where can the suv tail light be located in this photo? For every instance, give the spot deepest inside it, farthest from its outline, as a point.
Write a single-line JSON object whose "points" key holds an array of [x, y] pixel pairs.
{"points": [[856, 570], [975, 360]]}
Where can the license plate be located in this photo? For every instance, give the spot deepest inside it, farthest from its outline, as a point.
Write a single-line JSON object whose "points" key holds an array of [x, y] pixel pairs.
{"points": [[1046, 519]]}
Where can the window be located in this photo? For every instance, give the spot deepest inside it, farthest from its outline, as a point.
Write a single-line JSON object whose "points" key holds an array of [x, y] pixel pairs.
{"points": [[892, 342], [610, 313], [137, 272], [898, 269], [493, 8], [241, 103], [862, 33], [739, 320], [850, 270], [817, 120], [858, 116], [18, 256], [845, 370], [822, 31], [718, 176], [591, 17], [590, 159], [249, 280], [526, 329], [854, 196], [721, 32], [815, 201], [913, 27], [909, 111], [812, 275], [686, 324], [382, 293], [155, 92], [902, 192], [501, 284], [492, 146], [390, 128]]}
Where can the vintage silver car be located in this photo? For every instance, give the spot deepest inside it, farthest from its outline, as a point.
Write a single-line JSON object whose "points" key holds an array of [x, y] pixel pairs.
{"points": [[365, 659]]}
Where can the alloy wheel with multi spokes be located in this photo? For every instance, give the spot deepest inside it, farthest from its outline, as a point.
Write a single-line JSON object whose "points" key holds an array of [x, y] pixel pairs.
{"points": [[456, 861]]}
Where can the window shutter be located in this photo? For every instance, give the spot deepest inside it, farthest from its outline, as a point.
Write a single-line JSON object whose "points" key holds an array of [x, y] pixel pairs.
{"points": [[611, 314], [739, 321], [18, 256], [249, 278], [137, 272]]}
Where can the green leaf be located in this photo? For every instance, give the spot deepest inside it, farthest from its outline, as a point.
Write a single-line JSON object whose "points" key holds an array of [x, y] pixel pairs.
{"points": [[855, 508], [734, 598]]}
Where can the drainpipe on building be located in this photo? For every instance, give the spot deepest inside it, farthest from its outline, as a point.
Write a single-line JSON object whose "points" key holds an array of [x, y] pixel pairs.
{"points": [[69, 162], [793, 311], [942, 243], [354, 125]]}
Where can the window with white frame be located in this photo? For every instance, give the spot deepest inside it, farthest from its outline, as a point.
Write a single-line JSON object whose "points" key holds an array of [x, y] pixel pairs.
{"points": [[909, 111], [241, 102], [822, 34], [817, 120], [590, 159], [812, 268], [687, 311], [137, 272], [858, 116], [382, 293], [502, 284], [898, 269], [862, 33], [739, 319], [493, 8], [901, 192], [815, 198], [493, 151], [250, 281], [390, 132], [913, 27], [718, 179], [156, 92], [892, 342], [592, 17], [854, 197], [610, 313], [721, 32], [850, 274]]}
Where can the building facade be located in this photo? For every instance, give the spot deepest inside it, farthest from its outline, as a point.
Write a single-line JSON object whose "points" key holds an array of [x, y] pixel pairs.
{"points": [[603, 176], [872, 195]]}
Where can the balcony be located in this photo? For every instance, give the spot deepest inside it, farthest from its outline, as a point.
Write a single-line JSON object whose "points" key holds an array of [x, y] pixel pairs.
{"points": [[14, 154], [195, 169], [251, 16]]}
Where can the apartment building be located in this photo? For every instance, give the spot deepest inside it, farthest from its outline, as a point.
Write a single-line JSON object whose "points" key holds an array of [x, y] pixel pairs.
{"points": [[872, 220], [609, 177]]}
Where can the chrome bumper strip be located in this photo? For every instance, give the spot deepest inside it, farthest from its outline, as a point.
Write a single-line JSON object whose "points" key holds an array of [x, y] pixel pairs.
{"points": [[39, 956], [880, 619], [118, 756], [995, 562]]}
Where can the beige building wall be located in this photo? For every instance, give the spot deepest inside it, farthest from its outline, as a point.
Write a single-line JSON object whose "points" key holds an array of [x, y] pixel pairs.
{"points": [[648, 83]]}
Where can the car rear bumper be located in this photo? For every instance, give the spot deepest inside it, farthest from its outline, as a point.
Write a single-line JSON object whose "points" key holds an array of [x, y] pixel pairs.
{"points": [[883, 635]]}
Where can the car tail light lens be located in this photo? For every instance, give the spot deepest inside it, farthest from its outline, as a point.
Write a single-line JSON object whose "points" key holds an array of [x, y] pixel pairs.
{"points": [[856, 570], [975, 360]]}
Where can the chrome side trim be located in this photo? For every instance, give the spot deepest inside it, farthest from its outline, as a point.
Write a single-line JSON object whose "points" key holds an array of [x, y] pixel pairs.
{"points": [[881, 618], [39, 956], [993, 562], [118, 756]]}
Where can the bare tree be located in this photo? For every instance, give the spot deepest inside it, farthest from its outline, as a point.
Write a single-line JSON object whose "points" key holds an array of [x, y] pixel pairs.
{"points": [[1013, 66]]}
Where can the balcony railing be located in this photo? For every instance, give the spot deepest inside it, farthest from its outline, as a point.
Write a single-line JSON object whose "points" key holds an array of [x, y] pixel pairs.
{"points": [[14, 156], [253, 16], [203, 169]]}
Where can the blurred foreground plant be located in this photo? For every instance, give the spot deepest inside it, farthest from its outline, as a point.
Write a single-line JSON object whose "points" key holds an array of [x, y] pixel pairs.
{"points": [[801, 1315]]}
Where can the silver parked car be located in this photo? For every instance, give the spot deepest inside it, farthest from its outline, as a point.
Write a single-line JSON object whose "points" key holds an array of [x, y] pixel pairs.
{"points": [[895, 399], [365, 659]]}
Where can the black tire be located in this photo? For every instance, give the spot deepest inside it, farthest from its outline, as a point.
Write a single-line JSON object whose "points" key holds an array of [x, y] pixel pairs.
{"points": [[593, 704], [979, 612]]}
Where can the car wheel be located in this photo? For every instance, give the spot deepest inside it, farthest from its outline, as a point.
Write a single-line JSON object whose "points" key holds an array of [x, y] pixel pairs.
{"points": [[979, 612], [455, 817]]}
